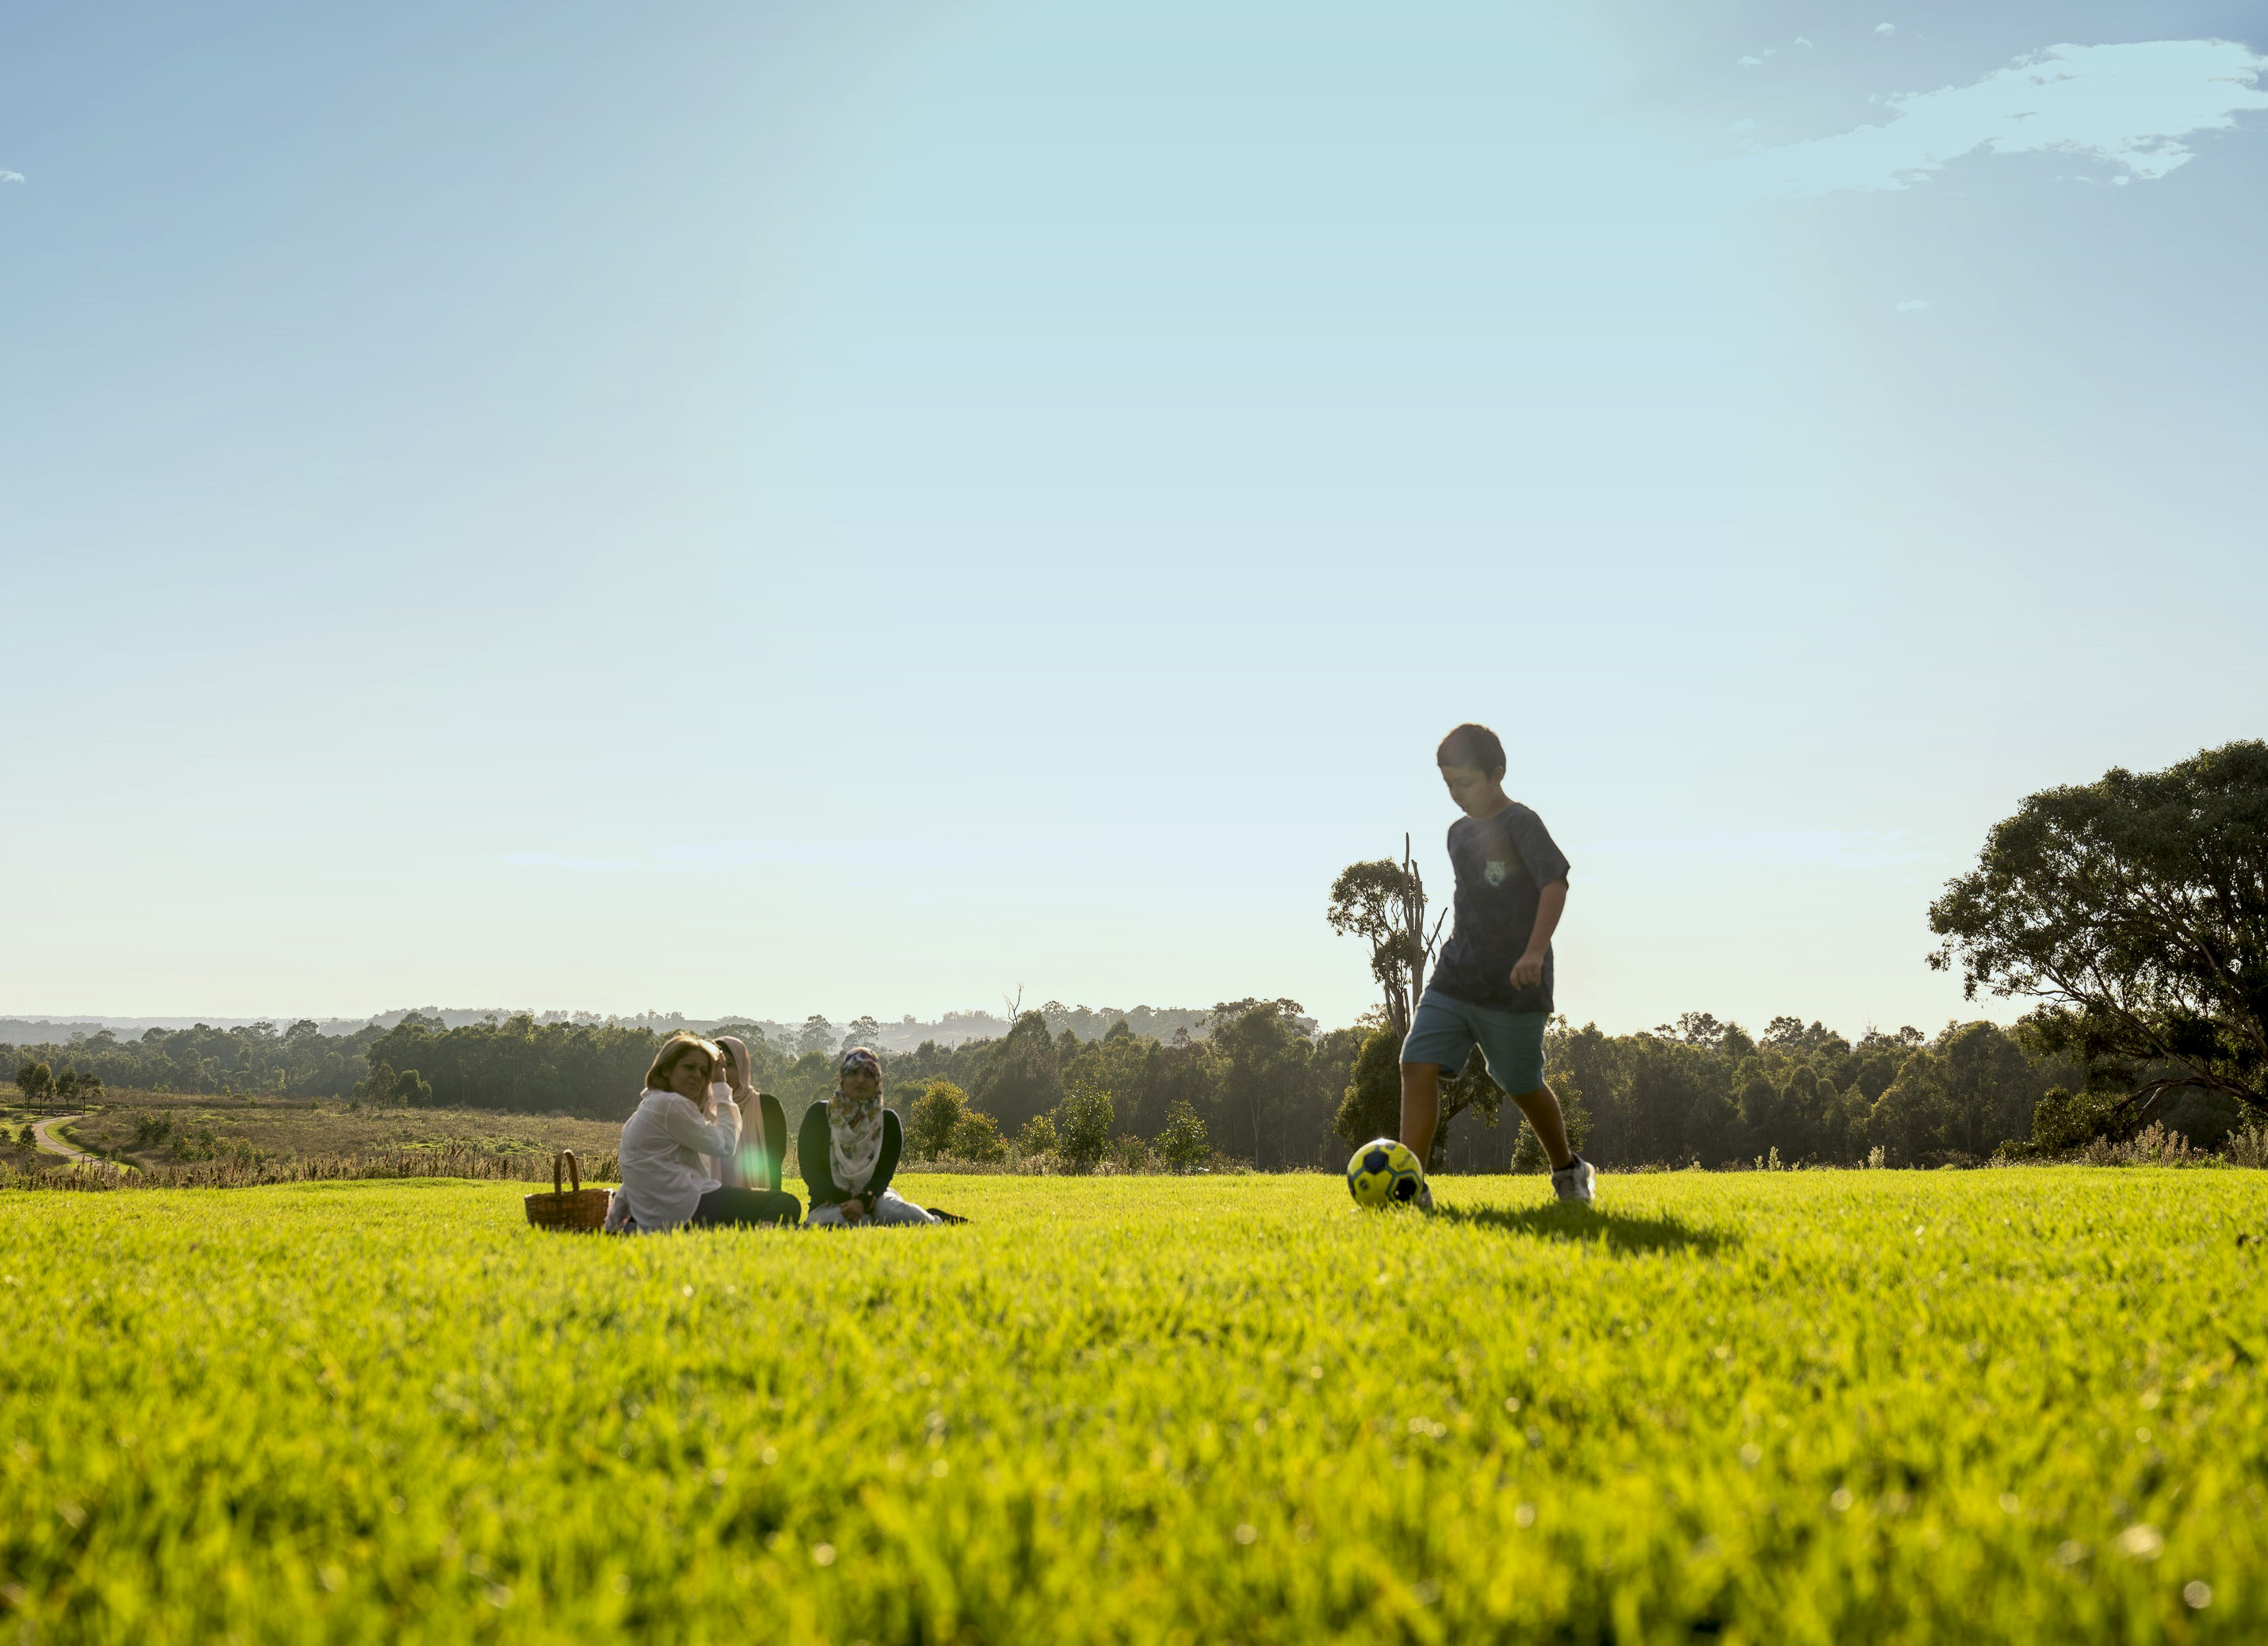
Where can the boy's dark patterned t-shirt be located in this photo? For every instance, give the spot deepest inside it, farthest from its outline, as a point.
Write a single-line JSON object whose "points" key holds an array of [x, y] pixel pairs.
{"points": [[1503, 863]]}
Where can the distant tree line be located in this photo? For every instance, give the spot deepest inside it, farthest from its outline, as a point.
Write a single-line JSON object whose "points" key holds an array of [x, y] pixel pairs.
{"points": [[253, 1060], [1260, 1085], [1706, 1091]]}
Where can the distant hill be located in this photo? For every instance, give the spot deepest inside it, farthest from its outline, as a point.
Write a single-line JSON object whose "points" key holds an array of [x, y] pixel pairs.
{"points": [[903, 1035]]}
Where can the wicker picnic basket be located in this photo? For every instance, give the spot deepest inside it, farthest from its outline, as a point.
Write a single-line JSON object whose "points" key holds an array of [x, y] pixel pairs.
{"points": [[577, 1208]]}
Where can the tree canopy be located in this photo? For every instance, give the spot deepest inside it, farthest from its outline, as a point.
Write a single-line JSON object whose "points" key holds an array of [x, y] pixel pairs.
{"points": [[2136, 909], [1381, 903]]}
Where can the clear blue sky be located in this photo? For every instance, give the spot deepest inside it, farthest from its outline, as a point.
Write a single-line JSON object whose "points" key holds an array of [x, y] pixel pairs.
{"points": [[849, 507]]}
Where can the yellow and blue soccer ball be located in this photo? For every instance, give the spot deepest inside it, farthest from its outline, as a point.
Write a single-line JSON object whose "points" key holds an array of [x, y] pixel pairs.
{"points": [[1384, 1173]]}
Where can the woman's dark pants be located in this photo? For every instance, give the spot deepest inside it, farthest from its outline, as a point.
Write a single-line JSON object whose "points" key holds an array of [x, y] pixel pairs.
{"points": [[723, 1207]]}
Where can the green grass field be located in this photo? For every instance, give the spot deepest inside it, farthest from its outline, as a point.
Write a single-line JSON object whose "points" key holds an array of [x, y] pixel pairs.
{"points": [[2016, 1405]]}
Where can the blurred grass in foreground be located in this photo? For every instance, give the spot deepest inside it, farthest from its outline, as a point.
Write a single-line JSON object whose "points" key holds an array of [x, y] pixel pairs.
{"points": [[1771, 1406]]}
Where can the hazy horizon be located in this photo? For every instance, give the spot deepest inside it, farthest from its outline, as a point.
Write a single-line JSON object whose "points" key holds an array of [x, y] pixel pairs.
{"points": [[825, 503]]}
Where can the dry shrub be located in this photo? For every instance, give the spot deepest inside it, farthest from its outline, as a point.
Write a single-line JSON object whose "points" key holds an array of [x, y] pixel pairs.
{"points": [[2247, 1146], [2153, 1146]]}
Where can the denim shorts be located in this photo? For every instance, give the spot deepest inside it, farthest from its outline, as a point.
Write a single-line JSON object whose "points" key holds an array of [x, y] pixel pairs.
{"points": [[1446, 1032]]}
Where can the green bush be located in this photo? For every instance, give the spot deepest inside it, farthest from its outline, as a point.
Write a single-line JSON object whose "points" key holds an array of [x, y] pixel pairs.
{"points": [[2063, 1121], [1038, 1137], [1372, 1104], [976, 1137], [1185, 1144], [1083, 1122], [935, 1120]]}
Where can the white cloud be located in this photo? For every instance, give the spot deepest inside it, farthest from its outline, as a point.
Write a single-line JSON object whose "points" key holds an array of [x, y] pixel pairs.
{"points": [[1749, 63], [2126, 106], [1744, 125], [1799, 41], [12, 177], [1886, 28], [1913, 305]]}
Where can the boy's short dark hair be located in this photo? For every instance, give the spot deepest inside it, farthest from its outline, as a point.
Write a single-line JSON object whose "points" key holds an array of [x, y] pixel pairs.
{"points": [[1472, 745]]}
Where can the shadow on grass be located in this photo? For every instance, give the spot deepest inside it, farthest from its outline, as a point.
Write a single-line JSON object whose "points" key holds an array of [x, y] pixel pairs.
{"points": [[1617, 1231]]}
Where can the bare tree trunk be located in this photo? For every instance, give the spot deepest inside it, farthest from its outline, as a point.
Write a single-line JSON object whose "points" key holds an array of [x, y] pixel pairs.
{"points": [[1417, 912]]}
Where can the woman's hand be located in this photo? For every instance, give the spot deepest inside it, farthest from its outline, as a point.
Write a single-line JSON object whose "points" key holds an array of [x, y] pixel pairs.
{"points": [[854, 1211], [736, 1067]]}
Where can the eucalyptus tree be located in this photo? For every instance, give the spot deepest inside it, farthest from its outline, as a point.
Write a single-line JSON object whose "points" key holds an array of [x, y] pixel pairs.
{"points": [[2135, 910]]}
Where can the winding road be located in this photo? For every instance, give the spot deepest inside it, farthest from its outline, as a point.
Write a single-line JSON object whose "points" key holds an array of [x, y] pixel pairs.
{"points": [[43, 1135]]}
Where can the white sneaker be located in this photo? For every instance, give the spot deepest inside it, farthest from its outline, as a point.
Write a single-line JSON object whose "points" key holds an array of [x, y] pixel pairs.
{"points": [[1424, 1200], [1573, 1183]]}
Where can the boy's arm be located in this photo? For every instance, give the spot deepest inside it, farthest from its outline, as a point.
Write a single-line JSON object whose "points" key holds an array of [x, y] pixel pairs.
{"points": [[1551, 903]]}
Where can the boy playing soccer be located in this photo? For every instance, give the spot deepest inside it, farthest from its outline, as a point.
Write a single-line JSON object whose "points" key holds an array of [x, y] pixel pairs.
{"points": [[1492, 986]]}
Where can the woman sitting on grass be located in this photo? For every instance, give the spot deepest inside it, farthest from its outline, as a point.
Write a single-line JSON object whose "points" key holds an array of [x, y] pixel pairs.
{"points": [[849, 1147], [676, 1147]]}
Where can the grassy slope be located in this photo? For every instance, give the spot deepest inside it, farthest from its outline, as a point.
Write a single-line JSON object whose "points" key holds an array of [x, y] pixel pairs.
{"points": [[1147, 1409], [295, 1131]]}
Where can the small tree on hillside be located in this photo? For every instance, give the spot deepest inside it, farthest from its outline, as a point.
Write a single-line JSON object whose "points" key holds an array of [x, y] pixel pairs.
{"points": [[1183, 1145], [1083, 1123], [816, 1035], [1264, 1075], [1372, 1104], [1038, 1137], [936, 1119], [36, 1080], [976, 1136], [1021, 1076]]}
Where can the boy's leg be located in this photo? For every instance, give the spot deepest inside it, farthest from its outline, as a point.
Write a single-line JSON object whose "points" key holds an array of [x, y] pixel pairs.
{"points": [[1542, 1107], [1421, 1108], [1512, 1042], [1440, 1038]]}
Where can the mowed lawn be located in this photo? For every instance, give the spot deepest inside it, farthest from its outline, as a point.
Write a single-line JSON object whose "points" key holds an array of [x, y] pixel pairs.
{"points": [[1813, 1407]]}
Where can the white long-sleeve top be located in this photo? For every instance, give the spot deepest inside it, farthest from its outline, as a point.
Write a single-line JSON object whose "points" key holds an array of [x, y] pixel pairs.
{"points": [[672, 1153]]}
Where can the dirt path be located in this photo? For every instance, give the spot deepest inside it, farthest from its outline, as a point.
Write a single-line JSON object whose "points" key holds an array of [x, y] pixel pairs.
{"points": [[43, 1134]]}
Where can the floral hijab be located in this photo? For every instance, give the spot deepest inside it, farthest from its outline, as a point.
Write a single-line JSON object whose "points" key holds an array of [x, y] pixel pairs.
{"points": [[854, 1131]]}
